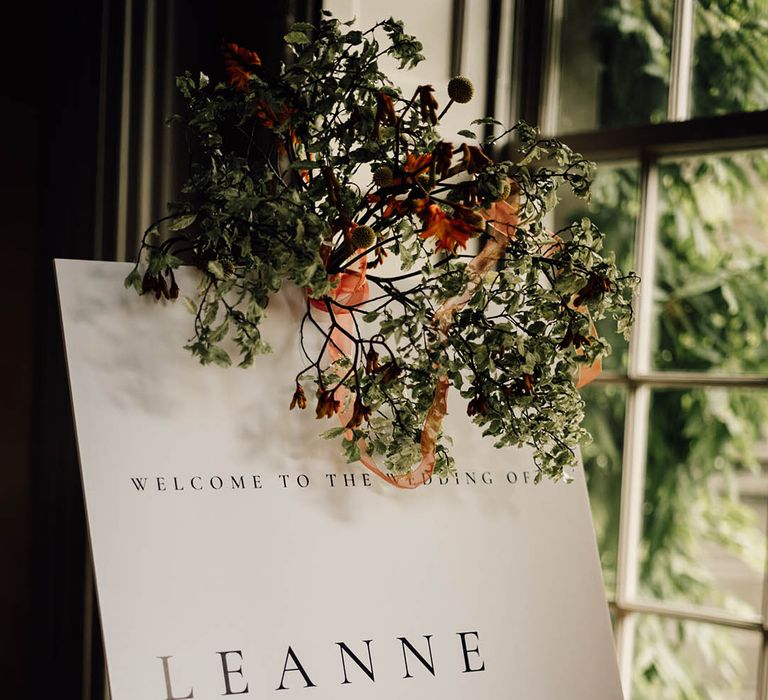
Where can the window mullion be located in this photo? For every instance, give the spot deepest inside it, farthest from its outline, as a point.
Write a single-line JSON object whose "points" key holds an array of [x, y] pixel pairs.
{"points": [[458, 11], [630, 526], [762, 672], [636, 426], [679, 108], [645, 264], [551, 67], [506, 82], [684, 379]]}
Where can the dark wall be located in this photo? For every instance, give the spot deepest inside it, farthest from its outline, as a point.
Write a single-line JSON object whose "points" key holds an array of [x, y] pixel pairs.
{"points": [[20, 117], [62, 70]]}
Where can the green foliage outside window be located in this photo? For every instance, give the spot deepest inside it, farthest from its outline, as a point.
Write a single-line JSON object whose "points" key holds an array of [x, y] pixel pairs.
{"points": [[712, 314]]}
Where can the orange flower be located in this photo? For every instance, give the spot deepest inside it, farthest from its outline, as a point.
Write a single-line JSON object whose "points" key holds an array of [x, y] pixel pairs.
{"points": [[415, 165], [385, 109], [450, 233], [238, 63], [265, 114], [392, 205]]}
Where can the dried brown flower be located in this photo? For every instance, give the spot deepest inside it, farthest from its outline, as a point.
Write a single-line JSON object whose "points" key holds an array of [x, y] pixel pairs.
{"points": [[595, 287], [427, 103], [478, 405], [299, 398], [385, 112], [474, 159], [360, 413], [443, 156], [372, 361], [327, 405], [390, 371]]}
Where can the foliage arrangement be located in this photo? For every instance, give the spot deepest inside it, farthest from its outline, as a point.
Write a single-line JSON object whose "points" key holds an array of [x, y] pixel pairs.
{"points": [[426, 264], [711, 316]]}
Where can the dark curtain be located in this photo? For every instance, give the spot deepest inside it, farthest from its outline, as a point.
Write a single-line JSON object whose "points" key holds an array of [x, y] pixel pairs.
{"points": [[61, 111]]}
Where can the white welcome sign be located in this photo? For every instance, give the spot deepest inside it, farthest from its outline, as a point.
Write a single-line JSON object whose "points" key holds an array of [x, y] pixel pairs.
{"points": [[237, 554]]}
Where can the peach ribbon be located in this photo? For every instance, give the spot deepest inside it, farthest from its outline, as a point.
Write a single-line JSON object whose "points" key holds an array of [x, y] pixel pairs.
{"points": [[352, 290]]}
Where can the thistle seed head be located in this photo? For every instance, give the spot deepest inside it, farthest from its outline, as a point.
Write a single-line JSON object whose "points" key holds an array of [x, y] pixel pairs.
{"points": [[382, 177], [460, 89], [363, 237]]}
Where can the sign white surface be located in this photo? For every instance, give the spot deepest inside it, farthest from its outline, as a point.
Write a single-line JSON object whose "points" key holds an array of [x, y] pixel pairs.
{"points": [[235, 549]]}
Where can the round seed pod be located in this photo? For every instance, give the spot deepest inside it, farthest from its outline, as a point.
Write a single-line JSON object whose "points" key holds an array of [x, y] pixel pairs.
{"points": [[460, 89], [382, 177], [363, 237]]}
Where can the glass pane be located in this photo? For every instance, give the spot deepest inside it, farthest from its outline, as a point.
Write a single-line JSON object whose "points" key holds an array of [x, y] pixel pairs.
{"points": [[604, 419], [614, 63], [712, 272], [705, 498], [730, 61], [683, 660], [613, 206]]}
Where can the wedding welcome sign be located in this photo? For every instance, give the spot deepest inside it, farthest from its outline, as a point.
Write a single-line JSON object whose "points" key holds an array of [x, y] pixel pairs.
{"points": [[237, 554]]}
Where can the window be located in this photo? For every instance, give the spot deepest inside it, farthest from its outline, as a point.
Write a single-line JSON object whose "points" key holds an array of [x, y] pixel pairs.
{"points": [[669, 97]]}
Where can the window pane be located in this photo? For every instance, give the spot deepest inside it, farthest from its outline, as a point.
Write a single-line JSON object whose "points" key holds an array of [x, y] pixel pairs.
{"points": [[613, 206], [682, 660], [614, 63], [730, 61], [712, 273], [705, 498], [604, 419]]}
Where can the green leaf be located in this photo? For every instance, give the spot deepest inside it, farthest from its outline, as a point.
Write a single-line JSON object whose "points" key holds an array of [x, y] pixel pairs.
{"points": [[218, 334], [215, 268], [305, 165], [219, 356], [133, 280], [299, 38], [333, 433], [152, 235], [466, 133], [190, 305], [181, 222]]}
